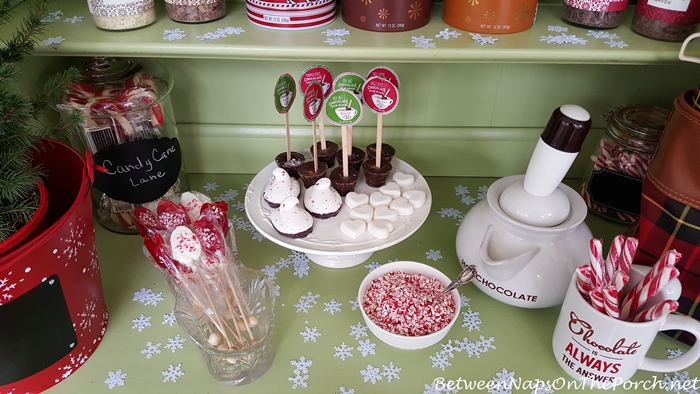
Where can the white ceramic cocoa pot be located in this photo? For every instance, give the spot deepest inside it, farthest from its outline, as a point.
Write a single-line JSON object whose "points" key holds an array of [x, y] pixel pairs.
{"points": [[520, 264]]}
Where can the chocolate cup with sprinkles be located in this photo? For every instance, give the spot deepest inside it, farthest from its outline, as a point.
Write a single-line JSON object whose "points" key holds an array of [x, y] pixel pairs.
{"points": [[376, 176], [388, 152], [307, 174], [355, 158], [292, 165], [326, 155], [344, 185]]}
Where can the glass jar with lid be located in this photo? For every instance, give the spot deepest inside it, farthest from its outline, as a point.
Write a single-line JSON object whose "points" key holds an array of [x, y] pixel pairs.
{"points": [[127, 124], [612, 182], [122, 14]]}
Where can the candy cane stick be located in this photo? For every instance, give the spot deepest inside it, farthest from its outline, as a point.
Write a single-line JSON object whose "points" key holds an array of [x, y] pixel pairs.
{"points": [[639, 295], [656, 311], [612, 262], [620, 280], [596, 262], [583, 281], [628, 252], [611, 302], [597, 299]]}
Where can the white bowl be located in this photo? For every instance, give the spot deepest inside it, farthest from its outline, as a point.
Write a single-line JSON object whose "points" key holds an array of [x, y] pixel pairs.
{"points": [[402, 341]]}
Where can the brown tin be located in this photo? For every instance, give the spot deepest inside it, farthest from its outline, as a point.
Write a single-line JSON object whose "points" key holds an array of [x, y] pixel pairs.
{"points": [[386, 15]]}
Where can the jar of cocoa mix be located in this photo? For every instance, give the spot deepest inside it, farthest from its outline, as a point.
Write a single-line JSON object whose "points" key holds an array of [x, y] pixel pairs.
{"points": [[667, 20], [597, 14], [195, 11], [612, 182]]}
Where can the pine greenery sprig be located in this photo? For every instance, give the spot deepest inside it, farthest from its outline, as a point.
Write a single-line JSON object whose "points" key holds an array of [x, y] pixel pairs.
{"points": [[20, 124]]}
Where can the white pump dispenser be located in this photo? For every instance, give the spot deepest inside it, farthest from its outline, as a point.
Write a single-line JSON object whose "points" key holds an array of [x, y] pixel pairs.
{"points": [[537, 200]]}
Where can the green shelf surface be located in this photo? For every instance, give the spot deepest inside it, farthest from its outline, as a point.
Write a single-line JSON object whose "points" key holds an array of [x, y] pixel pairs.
{"points": [[257, 43], [522, 337]]}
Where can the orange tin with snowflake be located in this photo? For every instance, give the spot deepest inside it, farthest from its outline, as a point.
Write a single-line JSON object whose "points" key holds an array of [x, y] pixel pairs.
{"points": [[490, 16], [386, 15]]}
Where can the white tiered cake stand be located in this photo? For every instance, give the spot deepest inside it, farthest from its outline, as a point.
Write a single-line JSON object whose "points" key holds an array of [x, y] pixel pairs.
{"points": [[327, 245]]}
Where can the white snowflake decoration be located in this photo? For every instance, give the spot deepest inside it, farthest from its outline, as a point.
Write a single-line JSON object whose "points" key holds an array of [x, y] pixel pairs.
{"points": [[391, 372], [541, 388], [228, 195], [483, 40], [558, 29], [371, 374], [115, 379], [453, 213], [343, 390], [301, 265], [464, 300], [673, 353], [440, 360], [483, 190], [172, 373], [54, 40], [51, 17], [373, 266], [471, 320], [174, 35], [468, 200], [151, 349], [306, 302], [366, 347], [271, 271], [431, 388], [434, 255], [277, 290], [238, 206], [354, 304], [461, 190], [359, 330], [336, 32], [343, 351], [169, 318], [679, 382], [148, 297], [503, 382], [616, 44], [74, 19], [332, 306], [141, 322], [447, 34], [310, 334], [211, 186], [335, 41], [175, 343], [301, 372], [220, 33], [423, 42], [602, 34], [563, 39], [243, 224]]}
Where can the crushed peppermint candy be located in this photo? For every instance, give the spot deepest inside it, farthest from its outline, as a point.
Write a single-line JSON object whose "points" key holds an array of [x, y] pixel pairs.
{"points": [[405, 304]]}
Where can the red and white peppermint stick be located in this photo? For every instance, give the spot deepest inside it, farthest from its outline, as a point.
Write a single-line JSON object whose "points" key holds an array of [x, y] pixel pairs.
{"points": [[597, 299], [612, 262], [656, 311], [670, 258], [596, 262], [620, 280], [628, 252], [583, 281], [640, 294], [610, 300]]}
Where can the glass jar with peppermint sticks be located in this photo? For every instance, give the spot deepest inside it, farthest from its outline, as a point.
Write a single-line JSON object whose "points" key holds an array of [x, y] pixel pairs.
{"points": [[612, 182]]}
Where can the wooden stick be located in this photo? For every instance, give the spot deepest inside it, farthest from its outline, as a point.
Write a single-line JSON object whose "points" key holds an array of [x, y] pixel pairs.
{"points": [[286, 126], [378, 159], [213, 307], [238, 302], [194, 297], [321, 126], [344, 138], [315, 148]]}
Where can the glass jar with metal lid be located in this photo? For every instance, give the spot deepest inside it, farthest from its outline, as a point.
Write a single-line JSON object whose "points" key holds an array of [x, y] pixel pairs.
{"points": [[128, 125], [612, 182]]}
